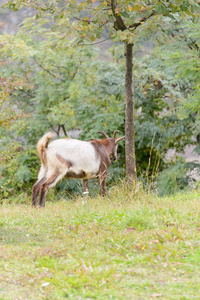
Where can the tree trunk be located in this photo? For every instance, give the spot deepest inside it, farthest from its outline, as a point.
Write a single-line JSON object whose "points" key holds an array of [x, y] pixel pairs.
{"points": [[129, 119]]}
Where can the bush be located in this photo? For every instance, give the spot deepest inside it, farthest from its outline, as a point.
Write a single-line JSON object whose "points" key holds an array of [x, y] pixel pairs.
{"points": [[175, 178], [18, 171]]}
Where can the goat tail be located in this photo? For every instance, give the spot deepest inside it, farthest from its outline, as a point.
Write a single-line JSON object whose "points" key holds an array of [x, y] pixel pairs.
{"points": [[43, 144]]}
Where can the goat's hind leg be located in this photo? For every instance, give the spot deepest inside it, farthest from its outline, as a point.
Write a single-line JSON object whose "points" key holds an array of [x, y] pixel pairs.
{"points": [[49, 182], [35, 191]]}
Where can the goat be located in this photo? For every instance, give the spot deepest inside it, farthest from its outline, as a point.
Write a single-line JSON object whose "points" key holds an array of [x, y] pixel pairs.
{"points": [[74, 159]]}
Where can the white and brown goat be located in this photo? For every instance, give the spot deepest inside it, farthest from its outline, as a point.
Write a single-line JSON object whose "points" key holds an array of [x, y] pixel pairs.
{"points": [[74, 159]]}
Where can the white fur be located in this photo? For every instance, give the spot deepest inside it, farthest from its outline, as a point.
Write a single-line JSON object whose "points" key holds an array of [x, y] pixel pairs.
{"points": [[80, 153], [42, 172]]}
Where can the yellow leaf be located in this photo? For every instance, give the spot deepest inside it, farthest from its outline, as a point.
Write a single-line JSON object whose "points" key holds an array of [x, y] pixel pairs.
{"points": [[130, 8]]}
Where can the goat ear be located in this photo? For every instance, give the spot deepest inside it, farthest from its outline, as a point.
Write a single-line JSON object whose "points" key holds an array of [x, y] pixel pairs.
{"points": [[102, 132], [119, 139]]}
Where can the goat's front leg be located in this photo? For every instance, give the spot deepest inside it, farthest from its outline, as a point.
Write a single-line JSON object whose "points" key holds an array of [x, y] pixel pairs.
{"points": [[86, 189], [102, 183]]}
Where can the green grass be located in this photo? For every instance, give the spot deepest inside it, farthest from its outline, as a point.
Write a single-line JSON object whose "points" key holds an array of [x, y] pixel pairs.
{"points": [[128, 245]]}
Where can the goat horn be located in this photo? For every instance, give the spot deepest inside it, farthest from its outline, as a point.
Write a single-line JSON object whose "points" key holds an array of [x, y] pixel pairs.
{"points": [[119, 139], [102, 132], [115, 132]]}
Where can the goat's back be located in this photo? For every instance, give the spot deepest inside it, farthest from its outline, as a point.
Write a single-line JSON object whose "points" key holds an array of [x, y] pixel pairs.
{"points": [[74, 154]]}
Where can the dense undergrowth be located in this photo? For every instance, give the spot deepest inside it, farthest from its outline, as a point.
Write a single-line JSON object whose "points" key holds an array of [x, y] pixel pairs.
{"points": [[129, 245]]}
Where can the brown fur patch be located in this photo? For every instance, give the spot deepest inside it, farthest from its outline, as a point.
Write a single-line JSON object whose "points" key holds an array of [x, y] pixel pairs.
{"points": [[52, 178], [102, 149], [67, 163], [43, 144], [72, 174], [42, 154]]}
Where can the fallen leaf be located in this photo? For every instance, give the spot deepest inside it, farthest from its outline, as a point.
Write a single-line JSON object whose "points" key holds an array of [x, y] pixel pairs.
{"points": [[130, 229]]}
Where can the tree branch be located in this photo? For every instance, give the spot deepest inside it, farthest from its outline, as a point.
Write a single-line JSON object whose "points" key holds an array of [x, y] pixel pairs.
{"points": [[83, 20], [46, 70], [64, 130], [95, 42], [27, 93], [135, 25], [119, 23], [191, 43], [196, 46]]}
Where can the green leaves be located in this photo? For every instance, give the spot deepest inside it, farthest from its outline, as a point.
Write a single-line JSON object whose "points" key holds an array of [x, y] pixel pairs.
{"points": [[89, 19], [124, 36], [160, 9]]}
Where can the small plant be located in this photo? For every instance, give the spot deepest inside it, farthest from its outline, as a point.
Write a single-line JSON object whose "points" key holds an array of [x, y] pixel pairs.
{"points": [[174, 178]]}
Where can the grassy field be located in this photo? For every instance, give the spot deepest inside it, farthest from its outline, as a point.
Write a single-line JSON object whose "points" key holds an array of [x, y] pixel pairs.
{"points": [[128, 245]]}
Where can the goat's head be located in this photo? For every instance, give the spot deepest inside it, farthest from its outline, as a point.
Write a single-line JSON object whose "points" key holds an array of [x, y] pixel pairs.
{"points": [[113, 144]]}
